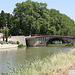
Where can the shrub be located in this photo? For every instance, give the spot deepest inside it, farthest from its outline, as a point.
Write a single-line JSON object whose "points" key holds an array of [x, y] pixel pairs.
{"points": [[20, 45], [18, 42], [69, 45]]}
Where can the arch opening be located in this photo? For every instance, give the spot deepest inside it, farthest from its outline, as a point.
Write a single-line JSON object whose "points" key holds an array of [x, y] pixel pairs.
{"points": [[55, 41]]}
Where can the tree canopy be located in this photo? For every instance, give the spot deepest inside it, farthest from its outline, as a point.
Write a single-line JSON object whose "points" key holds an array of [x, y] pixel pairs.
{"points": [[35, 18]]}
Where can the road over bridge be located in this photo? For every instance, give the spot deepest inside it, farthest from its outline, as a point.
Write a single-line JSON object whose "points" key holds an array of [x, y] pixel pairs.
{"points": [[43, 40]]}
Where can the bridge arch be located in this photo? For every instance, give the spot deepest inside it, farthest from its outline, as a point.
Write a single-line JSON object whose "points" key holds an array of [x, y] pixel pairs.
{"points": [[55, 41]]}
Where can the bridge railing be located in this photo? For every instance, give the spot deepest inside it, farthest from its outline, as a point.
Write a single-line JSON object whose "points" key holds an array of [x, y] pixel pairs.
{"points": [[32, 35]]}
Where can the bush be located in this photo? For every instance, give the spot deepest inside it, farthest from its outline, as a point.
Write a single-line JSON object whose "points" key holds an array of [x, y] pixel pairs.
{"points": [[20, 45], [69, 45], [18, 42]]}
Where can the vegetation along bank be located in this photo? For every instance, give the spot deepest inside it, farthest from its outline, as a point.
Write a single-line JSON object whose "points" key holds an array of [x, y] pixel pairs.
{"points": [[58, 64]]}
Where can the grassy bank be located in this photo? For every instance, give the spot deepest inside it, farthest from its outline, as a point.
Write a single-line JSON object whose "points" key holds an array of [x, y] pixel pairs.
{"points": [[56, 45], [55, 65]]}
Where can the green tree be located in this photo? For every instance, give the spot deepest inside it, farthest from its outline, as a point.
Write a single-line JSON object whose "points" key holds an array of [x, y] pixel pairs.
{"points": [[2, 19], [33, 17], [9, 20]]}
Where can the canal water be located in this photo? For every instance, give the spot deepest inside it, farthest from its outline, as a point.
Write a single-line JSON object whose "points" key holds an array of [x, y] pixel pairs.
{"points": [[10, 58]]}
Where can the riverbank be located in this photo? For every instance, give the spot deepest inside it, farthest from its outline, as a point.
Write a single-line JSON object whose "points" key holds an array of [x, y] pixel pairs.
{"points": [[6, 46], [58, 64]]}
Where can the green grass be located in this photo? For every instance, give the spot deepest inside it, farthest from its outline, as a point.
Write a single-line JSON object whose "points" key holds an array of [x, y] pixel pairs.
{"points": [[57, 45], [55, 65]]}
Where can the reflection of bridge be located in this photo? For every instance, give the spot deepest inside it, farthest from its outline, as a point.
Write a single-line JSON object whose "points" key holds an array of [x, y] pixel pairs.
{"points": [[48, 39]]}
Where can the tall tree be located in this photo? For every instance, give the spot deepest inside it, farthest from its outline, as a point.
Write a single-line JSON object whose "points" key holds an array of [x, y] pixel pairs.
{"points": [[2, 19], [9, 20], [33, 17]]}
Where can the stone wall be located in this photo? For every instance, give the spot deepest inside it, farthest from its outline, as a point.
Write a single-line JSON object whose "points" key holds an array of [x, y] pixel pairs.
{"points": [[21, 39]]}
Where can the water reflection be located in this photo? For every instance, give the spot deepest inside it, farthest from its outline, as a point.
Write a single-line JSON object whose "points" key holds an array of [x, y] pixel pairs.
{"points": [[9, 58]]}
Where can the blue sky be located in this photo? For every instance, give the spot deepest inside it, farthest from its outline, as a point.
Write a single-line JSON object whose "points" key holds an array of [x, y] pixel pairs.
{"points": [[64, 6]]}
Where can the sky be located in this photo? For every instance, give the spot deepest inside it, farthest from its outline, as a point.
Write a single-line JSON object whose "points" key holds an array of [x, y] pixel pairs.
{"points": [[64, 6]]}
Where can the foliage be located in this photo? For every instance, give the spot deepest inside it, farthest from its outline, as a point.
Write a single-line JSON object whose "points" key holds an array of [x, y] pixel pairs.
{"points": [[55, 65], [73, 44], [20, 45], [31, 17], [17, 42], [6, 20], [2, 19], [2, 30], [69, 45], [5, 33]]}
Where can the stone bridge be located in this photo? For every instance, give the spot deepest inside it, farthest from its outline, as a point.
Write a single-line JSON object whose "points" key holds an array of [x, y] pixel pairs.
{"points": [[48, 39]]}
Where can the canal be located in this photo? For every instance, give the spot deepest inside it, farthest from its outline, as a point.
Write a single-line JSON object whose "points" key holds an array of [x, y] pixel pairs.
{"points": [[10, 58]]}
